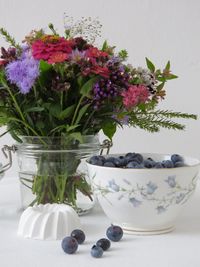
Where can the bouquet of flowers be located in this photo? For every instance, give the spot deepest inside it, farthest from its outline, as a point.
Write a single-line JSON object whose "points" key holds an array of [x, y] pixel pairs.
{"points": [[52, 85]]}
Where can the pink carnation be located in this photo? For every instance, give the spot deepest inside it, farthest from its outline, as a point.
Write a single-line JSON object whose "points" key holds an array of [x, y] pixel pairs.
{"points": [[134, 95]]}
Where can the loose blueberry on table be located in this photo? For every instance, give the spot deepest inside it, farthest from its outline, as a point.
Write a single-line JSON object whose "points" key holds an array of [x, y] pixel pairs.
{"points": [[104, 243], [96, 251], [114, 233], [136, 161], [69, 245], [79, 235]]}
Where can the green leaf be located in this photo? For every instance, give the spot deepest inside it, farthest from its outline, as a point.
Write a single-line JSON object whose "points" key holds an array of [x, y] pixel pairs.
{"points": [[66, 112], [77, 136], [15, 137], [55, 110], [123, 54], [171, 76], [160, 86], [105, 46], [40, 124], [72, 127], [167, 67], [4, 121], [44, 66], [34, 109], [87, 87], [150, 65], [109, 129], [81, 113]]}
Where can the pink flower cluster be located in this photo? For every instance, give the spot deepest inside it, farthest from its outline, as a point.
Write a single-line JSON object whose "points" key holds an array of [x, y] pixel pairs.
{"points": [[135, 95], [52, 49]]}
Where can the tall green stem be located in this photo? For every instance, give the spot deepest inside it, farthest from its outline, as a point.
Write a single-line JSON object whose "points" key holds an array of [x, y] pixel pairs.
{"points": [[14, 100], [61, 100], [30, 128], [76, 111]]}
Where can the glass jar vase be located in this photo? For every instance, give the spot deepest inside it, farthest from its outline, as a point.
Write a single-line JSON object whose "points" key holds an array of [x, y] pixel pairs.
{"points": [[53, 170]]}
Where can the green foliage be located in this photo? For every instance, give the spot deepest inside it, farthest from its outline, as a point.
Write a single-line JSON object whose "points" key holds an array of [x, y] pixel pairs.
{"points": [[150, 65], [87, 87], [152, 121], [109, 128], [9, 38], [123, 54]]}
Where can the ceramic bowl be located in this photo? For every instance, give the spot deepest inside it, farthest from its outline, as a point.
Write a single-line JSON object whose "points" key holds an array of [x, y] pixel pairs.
{"points": [[144, 201]]}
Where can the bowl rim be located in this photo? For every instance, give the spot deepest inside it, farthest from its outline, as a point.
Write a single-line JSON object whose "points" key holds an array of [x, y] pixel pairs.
{"points": [[149, 169]]}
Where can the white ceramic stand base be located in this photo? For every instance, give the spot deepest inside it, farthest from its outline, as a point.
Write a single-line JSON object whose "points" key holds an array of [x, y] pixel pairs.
{"points": [[139, 231]]}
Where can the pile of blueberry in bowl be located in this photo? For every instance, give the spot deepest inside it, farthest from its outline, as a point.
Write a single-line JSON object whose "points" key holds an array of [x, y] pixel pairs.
{"points": [[143, 193], [137, 161]]}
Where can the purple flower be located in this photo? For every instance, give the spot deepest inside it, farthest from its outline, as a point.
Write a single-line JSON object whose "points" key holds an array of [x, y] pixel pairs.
{"points": [[23, 72], [114, 60], [76, 55], [122, 119]]}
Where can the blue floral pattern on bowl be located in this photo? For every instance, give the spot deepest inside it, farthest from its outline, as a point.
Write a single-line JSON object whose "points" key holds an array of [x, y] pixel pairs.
{"points": [[137, 194]]}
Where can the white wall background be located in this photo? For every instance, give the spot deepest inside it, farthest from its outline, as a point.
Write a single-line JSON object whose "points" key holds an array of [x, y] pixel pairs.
{"points": [[158, 29]]}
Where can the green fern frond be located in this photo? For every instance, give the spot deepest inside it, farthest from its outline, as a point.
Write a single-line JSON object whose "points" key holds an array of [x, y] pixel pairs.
{"points": [[9, 38], [172, 114], [152, 121]]}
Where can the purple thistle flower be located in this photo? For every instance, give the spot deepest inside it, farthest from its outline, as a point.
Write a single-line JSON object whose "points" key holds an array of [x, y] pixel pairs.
{"points": [[23, 72], [122, 119], [76, 55]]}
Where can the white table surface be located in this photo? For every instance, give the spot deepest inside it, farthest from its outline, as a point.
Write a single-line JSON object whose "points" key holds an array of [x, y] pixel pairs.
{"points": [[181, 248]]}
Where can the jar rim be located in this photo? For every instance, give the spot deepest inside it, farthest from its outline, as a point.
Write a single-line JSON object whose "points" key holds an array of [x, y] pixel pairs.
{"points": [[34, 144]]}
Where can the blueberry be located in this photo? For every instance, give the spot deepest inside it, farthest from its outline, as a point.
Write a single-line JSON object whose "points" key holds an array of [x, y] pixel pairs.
{"points": [[149, 163], [114, 233], [111, 159], [176, 157], [122, 162], [158, 165], [132, 164], [78, 235], [69, 245], [102, 158], [109, 164], [96, 251], [117, 162], [104, 243], [95, 160], [167, 164], [138, 157], [179, 164], [150, 159], [129, 155]]}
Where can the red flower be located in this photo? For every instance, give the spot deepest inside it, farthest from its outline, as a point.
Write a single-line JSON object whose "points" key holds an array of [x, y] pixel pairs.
{"points": [[3, 62], [49, 47], [93, 52], [57, 57], [103, 71]]}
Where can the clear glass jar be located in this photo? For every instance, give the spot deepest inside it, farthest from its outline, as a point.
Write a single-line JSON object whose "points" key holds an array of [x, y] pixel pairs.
{"points": [[53, 170]]}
